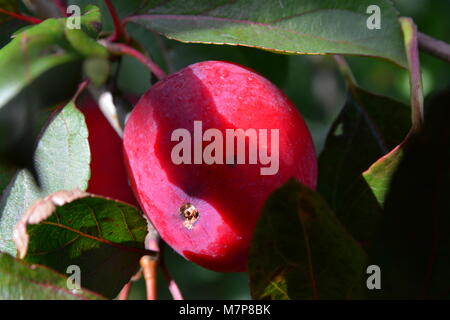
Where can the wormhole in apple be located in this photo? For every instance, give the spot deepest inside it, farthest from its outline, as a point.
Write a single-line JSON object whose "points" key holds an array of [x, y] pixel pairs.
{"points": [[190, 214]]}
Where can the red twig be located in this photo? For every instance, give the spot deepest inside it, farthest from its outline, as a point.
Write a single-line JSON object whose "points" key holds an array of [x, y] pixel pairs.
{"points": [[17, 16], [415, 77], [81, 87], [124, 293], [172, 285], [120, 48], [434, 47], [119, 31]]}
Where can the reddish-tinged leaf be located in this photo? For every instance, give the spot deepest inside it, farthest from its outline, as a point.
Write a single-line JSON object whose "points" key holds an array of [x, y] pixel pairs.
{"points": [[367, 128], [378, 176], [301, 251], [62, 160]]}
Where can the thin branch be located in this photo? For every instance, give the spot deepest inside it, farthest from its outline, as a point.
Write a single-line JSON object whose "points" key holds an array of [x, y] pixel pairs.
{"points": [[149, 267], [81, 87], [124, 293], [409, 29], [172, 285], [17, 16], [434, 47], [344, 68], [120, 48], [119, 31]]}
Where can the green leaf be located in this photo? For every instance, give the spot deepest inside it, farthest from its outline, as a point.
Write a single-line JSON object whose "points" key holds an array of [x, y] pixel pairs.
{"points": [[301, 251], [32, 53], [85, 45], [413, 241], [62, 161], [98, 70], [40, 68], [91, 21], [284, 26], [19, 118], [367, 128], [105, 238], [378, 176], [20, 281]]}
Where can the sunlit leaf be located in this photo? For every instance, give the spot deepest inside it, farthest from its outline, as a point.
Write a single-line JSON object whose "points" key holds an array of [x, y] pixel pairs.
{"points": [[62, 160], [285, 26]]}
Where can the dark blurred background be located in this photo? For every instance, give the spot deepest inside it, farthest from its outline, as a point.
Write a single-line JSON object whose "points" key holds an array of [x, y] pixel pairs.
{"points": [[312, 83]]}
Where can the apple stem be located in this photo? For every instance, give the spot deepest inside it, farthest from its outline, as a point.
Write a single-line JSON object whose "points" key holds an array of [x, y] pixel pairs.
{"points": [[120, 48], [119, 30], [17, 16]]}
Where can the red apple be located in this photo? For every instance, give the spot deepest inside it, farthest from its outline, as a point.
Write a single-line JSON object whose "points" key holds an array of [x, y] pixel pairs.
{"points": [[108, 174], [207, 212]]}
